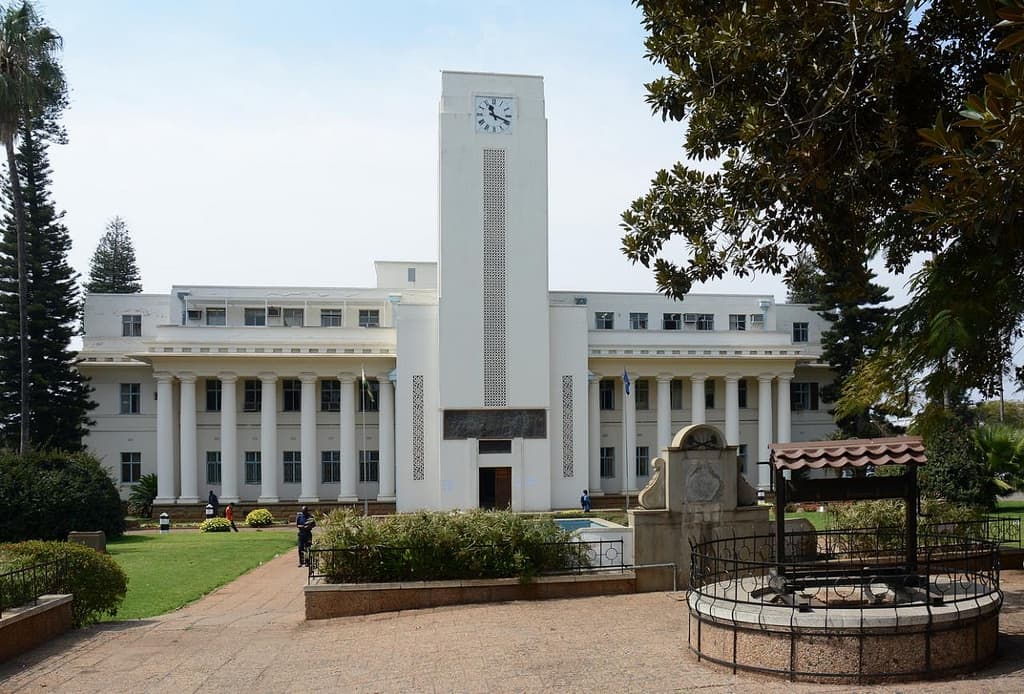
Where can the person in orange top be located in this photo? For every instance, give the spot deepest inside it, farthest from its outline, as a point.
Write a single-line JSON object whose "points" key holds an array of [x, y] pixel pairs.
{"points": [[229, 513]]}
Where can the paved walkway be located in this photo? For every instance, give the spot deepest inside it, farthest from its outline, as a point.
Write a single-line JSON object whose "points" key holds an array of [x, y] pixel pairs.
{"points": [[251, 636]]}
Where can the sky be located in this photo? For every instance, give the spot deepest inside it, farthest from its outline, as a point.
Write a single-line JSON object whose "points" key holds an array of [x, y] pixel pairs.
{"points": [[252, 142]]}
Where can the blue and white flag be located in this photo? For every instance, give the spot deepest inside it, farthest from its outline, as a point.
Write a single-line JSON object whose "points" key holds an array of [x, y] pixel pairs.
{"points": [[625, 381]]}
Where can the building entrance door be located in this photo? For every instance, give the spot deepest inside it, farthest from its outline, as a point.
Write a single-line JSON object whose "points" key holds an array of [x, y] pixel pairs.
{"points": [[495, 487]]}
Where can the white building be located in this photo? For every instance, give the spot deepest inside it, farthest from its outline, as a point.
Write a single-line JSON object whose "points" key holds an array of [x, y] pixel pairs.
{"points": [[484, 387]]}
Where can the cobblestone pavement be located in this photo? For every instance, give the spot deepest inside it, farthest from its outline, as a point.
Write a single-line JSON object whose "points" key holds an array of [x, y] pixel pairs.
{"points": [[251, 636]]}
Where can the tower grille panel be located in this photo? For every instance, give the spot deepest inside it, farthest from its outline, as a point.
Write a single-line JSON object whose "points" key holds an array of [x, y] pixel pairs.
{"points": [[494, 294]]}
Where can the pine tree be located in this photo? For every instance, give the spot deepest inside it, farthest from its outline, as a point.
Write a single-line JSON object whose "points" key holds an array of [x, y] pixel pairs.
{"points": [[58, 395], [112, 269]]}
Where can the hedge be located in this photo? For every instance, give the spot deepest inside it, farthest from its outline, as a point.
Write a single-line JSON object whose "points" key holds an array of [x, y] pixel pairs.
{"points": [[97, 582], [259, 518]]}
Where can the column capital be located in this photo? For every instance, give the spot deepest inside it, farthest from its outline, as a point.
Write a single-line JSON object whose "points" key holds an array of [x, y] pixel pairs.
{"points": [[664, 378], [765, 378], [267, 376], [347, 377], [228, 377], [163, 376], [187, 377], [785, 377], [593, 377], [732, 377], [698, 377], [307, 377]]}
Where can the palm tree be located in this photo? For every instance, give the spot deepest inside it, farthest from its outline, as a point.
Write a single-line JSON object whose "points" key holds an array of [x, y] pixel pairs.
{"points": [[30, 80], [1003, 447]]}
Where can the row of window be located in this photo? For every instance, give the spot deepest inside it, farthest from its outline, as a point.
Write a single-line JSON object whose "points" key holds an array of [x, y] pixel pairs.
{"points": [[131, 323], [605, 320], [643, 460], [330, 467], [367, 397], [802, 396]]}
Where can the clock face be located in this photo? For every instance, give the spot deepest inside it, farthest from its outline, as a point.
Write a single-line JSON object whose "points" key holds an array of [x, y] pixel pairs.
{"points": [[493, 114]]}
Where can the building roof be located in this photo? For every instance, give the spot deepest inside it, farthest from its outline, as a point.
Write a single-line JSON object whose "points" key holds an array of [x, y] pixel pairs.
{"points": [[897, 450]]}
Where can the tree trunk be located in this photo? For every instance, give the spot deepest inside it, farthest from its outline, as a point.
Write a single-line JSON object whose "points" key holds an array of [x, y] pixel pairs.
{"points": [[19, 219]]}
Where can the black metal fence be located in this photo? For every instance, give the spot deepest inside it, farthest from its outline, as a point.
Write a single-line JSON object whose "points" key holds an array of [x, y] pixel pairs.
{"points": [[383, 564], [23, 586]]}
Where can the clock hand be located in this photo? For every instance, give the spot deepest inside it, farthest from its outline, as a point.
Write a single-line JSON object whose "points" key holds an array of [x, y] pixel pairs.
{"points": [[495, 116]]}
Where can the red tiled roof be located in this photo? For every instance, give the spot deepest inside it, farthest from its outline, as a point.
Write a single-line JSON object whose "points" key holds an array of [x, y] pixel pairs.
{"points": [[897, 450]]}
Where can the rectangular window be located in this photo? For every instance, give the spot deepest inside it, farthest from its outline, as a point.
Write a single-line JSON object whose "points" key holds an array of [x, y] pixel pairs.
{"points": [[252, 398], [800, 332], [369, 466], [757, 321], [803, 396], [253, 467], [213, 467], [131, 398], [330, 467], [330, 395], [709, 393], [330, 318], [671, 321], [607, 461], [131, 467], [292, 467], [255, 316], [643, 461], [292, 395], [741, 392], [741, 457], [411, 274], [705, 321], [213, 393], [604, 320], [368, 395], [486, 446], [293, 317], [131, 325], [638, 321], [216, 316], [737, 321], [369, 318], [606, 393], [642, 388], [675, 394]]}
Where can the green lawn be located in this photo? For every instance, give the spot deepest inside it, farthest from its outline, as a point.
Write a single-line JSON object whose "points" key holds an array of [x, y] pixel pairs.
{"points": [[166, 572]]}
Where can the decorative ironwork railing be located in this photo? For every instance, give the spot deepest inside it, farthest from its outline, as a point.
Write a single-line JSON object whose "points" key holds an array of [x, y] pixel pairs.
{"points": [[24, 585]]}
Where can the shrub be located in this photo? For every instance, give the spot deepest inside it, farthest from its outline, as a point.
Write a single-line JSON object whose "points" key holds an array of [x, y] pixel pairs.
{"points": [[259, 518], [215, 525], [889, 517], [96, 581], [47, 494], [140, 501], [957, 470], [444, 546]]}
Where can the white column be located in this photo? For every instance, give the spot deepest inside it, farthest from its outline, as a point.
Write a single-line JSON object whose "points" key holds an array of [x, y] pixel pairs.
{"points": [[732, 409], [164, 438], [307, 435], [629, 435], [347, 441], [664, 411], [697, 398], [229, 462], [764, 429], [594, 435], [189, 470], [268, 439], [386, 437], [784, 427]]}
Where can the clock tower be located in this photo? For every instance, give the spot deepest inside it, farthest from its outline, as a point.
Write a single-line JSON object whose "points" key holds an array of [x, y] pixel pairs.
{"points": [[493, 315]]}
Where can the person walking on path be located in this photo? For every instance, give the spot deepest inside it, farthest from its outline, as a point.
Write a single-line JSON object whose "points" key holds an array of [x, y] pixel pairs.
{"points": [[305, 523], [212, 500], [229, 513], [585, 501]]}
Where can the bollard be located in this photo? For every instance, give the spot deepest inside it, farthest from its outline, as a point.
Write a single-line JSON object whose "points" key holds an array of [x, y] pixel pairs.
{"points": [[209, 511], [760, 496], [165, 523]]}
